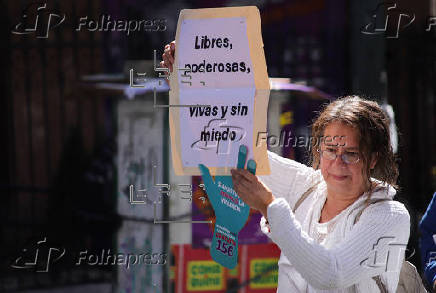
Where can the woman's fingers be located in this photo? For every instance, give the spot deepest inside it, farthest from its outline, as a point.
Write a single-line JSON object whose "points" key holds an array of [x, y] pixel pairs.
{"points": [[171, 51], [168, 55], [237, 179], [162, 65], [244, 193], [237, 175], [251, 190], [246, 190], [246, 175], [245, 185], [167, 62]]}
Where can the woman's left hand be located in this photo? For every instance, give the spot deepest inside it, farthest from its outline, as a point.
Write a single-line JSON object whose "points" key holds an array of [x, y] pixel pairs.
{"points": [[253, 192]]}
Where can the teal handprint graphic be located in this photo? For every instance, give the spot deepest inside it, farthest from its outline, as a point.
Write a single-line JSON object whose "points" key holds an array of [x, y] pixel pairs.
{"points": [[230, 211]]}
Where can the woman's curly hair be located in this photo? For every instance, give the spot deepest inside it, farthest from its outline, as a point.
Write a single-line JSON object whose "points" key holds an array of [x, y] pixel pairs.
{"points": [[372, 125]]}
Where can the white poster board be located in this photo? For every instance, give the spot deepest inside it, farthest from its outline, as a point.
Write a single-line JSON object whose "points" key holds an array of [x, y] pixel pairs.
{"points": [[226, 87]]}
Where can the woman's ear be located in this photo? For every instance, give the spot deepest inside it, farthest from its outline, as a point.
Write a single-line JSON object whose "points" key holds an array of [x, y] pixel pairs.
{"points": [[374, 158]]}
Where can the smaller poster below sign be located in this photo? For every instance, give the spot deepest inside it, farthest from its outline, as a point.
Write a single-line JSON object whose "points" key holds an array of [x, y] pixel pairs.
{"points": [[260, 264], [256, 272]]}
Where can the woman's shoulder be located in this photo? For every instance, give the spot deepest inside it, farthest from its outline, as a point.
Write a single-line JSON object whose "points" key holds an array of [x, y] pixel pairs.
{"points": [[386, 218], [382, 200], [388, 208]]}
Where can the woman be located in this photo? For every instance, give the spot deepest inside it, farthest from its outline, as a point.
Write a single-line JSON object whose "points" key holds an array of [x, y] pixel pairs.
{"points": [[335, 222]]}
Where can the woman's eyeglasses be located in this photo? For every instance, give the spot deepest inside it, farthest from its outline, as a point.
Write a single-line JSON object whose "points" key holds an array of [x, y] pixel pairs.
{"points": [[347, 157]]}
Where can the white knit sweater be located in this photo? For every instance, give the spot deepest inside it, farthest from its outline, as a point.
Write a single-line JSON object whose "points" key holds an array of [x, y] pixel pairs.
{"points": [[350, 254]]}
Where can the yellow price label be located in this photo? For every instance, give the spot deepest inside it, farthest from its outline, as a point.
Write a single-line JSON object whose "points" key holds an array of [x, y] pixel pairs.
{"points": [[267, 272], [205, 275]]}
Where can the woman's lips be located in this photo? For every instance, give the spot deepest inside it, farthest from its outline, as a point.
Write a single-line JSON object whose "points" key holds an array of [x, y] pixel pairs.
{"points": [[339, 178]]}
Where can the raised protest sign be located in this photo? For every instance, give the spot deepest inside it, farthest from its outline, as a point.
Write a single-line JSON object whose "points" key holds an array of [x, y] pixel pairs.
{"points": [[219, 90]]}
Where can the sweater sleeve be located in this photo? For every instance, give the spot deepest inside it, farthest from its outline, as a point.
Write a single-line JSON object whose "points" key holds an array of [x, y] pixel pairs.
{"points": [[382, 230], [428, 241], [288, 179]]}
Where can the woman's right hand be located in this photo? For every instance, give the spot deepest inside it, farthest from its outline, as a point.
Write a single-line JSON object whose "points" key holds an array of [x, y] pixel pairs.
{"points": [[168, 56]]}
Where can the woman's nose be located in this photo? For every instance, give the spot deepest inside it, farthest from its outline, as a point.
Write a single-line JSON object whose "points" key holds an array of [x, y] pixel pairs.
{"points": [[338, 160]]}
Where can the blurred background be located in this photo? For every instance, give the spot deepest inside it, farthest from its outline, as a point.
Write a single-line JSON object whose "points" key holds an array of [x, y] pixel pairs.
{"points": [[86, 180]]}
